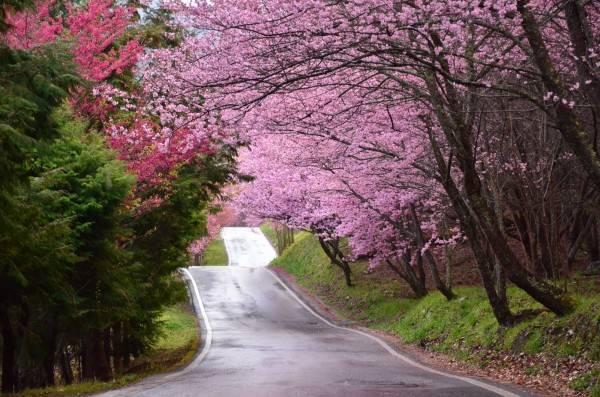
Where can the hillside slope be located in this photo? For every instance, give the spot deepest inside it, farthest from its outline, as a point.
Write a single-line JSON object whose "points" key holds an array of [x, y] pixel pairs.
{"points": [[542, 350]]}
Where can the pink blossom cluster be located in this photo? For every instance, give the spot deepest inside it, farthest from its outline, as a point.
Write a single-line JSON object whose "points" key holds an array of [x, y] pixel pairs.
{"points": [[226, 216], [335, 100], [92, 30], [361, 189]]}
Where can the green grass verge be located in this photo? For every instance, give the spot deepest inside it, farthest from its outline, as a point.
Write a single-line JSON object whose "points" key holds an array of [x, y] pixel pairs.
{"points": [[269, 233], [461, 327], [175, 348], [179, 328], [215, 253], [80, 389]]}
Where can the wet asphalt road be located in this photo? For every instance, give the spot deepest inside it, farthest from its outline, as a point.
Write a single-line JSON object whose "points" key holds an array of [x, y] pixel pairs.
{"points": [[247, 246], [265, 343]]}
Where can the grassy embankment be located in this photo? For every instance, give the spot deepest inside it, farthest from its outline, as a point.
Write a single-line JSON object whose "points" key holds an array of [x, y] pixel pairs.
{"points": [[215, 253], [269, 233], [176, 347], [464, 328]]}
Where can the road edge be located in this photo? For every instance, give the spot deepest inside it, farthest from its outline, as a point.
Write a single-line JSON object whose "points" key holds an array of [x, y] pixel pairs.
{"points": [[476, 382], [226, 247], [198, 305], [204, 329]]}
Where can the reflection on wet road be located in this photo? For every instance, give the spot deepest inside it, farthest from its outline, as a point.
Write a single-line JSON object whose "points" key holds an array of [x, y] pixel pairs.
{"points": [[265, 343]]}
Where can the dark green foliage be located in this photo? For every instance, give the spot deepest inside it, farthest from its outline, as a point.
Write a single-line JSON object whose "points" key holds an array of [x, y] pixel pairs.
{"points": [[84, 272], [84, 276], [33, 84], [64, 265]]}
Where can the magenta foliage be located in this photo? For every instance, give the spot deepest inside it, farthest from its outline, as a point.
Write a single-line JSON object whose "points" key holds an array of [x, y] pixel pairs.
{"points": [[93, 30], [226, 216]]}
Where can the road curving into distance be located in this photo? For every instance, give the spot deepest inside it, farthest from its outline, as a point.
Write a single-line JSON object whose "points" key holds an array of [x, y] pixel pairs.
{"points": [[260, 339]]}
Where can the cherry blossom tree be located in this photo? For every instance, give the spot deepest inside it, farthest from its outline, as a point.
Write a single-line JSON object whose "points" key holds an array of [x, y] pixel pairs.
{"points": [[219, 216], [93, 29], [315, 68], [337, 189]]}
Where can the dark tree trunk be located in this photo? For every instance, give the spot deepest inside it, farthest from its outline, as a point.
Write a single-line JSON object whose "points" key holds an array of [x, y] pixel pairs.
{"points": [[576, 243], [592, 242], [87, 359], [126, 348], [446, 290], [9, 351], [117, 344], [501, 284], [524, 238], [108, 350], [567, 120], [482, 259], [50, 358], [101, 365], [94, 360], [332, 250], [347, 272], [582, 39], [41, 374], [64, 363], [545, 252], [407, 273]]}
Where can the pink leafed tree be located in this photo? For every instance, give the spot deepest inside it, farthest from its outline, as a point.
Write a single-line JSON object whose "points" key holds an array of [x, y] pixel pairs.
{"points": [[366, 80], [154, 135], [226, 216], [361, 185], [93, 30]]}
